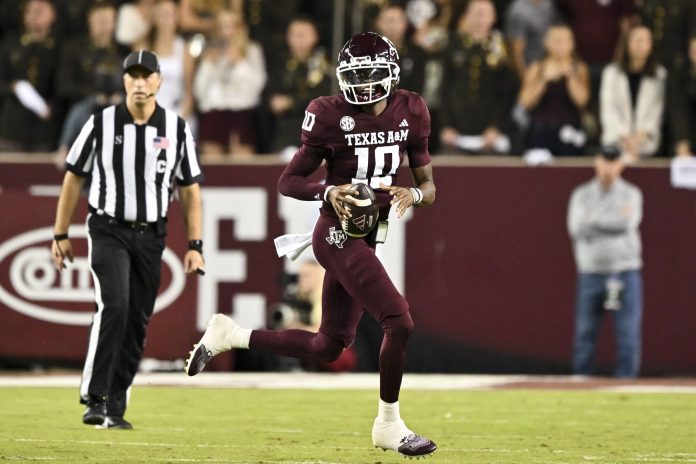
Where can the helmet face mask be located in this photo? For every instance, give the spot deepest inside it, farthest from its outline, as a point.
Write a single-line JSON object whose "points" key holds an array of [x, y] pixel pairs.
{"points": [[368, 68], [371, 75]]}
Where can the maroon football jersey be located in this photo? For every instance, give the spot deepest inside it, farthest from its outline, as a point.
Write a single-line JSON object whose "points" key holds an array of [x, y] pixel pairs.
{"points": [[361, 148]]}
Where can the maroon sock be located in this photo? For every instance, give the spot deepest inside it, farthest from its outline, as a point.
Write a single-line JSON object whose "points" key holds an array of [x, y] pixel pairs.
{"points": [[392, 355], [296, 344]]}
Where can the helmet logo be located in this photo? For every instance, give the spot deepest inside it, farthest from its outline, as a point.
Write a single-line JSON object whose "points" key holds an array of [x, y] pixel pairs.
{"points": [[347, 123], [392, 49]]}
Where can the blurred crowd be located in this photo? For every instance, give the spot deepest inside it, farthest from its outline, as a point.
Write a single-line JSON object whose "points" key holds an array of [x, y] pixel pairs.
{"points": [[536, 78]]}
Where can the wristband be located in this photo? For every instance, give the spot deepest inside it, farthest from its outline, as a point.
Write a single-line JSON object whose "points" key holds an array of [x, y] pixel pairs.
{"points": [[326, 192], [196, 245], [60, 237], [417, 195]]}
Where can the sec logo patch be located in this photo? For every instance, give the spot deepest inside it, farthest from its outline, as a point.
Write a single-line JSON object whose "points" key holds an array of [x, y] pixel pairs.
{"points": [[347, 123]]}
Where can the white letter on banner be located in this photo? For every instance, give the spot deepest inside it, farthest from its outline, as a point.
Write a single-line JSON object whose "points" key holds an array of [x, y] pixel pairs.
{"points": [[392, 253], [248, 208], [299, 217]]}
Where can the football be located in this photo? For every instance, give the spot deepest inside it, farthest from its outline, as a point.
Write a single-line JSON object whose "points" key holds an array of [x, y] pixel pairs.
{"points": [[365, 213]]}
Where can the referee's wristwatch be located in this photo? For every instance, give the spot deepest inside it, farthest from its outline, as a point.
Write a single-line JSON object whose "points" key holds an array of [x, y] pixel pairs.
{"points": [[196, 245]]}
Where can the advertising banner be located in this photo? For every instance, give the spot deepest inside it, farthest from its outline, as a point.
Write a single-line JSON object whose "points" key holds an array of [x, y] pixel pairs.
{"points": [[488, 270]]}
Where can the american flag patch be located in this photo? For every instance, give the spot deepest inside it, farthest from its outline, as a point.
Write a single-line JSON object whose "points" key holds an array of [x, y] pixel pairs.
{"points": [[161, 142]]}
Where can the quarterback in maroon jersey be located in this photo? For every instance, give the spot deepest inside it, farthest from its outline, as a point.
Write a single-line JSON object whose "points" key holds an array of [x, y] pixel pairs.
{"points": [[362, 136]]}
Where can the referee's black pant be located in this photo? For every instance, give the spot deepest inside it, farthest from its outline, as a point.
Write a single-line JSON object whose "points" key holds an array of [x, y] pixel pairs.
{"points": [[125, 261]]}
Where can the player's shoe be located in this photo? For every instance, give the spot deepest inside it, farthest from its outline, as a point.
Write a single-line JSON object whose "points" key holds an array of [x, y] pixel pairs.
{"points": [[394, 435], [216, 339], [115, 422]]}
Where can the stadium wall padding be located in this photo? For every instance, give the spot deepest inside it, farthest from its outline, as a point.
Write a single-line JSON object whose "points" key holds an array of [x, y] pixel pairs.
{"points": [[488, 270]]}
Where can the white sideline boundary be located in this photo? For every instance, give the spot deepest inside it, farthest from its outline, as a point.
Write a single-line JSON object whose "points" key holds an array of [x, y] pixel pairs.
{"points": [[273, 380], [360, 381]]}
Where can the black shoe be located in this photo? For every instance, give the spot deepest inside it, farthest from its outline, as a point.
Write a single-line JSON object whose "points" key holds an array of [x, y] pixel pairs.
{"points": [[94, 414], [115, 422], [197, 360], [416, 446]]}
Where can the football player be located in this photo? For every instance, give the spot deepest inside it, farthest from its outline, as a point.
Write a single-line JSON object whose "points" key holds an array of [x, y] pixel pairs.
{"points": [[363, 136]]}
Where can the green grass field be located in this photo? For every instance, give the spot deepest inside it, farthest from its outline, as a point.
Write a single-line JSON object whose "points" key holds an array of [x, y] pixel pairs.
{"points": [[175, 425]]}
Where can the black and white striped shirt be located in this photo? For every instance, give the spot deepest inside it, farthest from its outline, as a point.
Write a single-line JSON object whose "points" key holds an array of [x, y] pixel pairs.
{"points": [[133, 167]]}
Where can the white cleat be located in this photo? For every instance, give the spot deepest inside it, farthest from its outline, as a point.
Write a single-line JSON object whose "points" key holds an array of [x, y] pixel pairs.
{"points": [[216, 339], [395, 436]]}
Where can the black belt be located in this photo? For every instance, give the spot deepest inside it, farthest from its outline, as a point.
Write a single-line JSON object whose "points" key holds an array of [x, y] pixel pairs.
{"points": [[134, 225]]}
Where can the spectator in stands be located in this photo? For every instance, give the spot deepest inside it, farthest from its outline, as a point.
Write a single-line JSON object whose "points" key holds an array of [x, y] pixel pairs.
{"points": [[432, 21], [598, 26], [176, 64], [301, 74], [75, 16], [92, 66], [479, 85], [134, 22], [632, 97], [392, 23], [682, 108], [66, 13], [554, 92], [526, 23], [227, 87], [90, 73], [603, 219], [268, 23], [29, 110], [673, 22], [199, 15]]}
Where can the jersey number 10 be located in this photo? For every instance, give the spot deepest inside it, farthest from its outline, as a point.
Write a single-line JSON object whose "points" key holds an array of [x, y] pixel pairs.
{"points": [[380, 174]]}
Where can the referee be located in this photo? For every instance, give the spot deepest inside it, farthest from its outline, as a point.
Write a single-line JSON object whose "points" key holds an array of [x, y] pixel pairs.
{"points": [[135, 153]]}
